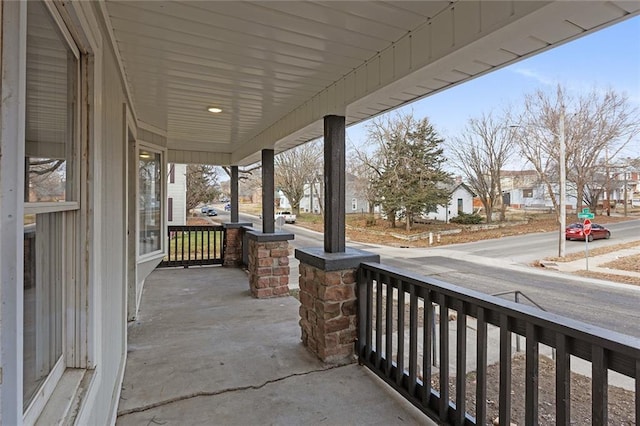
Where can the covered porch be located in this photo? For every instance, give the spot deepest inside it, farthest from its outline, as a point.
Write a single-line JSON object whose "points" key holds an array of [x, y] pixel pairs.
{"points": [[110, 92], [204, 351]]}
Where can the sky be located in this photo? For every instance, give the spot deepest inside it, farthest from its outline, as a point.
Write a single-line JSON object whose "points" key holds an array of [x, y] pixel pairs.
{"points": [[609, 58]]}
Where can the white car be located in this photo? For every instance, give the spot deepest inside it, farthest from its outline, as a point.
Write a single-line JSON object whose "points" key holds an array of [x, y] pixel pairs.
{"points": [[287, 216]]}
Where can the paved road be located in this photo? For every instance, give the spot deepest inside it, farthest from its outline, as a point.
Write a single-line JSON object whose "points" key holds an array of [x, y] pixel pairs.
{"points": [[607, 305], [494, 266], [530, 247]]}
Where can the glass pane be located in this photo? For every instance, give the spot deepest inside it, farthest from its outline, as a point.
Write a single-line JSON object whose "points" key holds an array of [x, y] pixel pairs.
{"points": [[150, 191], [51, 77], [42, 299]]}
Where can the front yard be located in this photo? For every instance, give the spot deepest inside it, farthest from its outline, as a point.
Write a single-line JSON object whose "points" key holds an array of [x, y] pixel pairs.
{"points": [[359, 229]]}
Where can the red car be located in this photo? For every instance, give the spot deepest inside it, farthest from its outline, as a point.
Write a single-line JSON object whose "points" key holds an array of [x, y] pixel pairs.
{"points": [[574, 232]]}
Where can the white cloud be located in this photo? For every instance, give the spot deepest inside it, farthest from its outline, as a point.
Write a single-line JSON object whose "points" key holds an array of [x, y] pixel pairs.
{"points": [[540, 78]]}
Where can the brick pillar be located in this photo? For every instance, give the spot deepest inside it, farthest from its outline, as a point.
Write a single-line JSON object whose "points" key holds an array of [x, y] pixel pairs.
{"points": [[268, 264], [328, 309], [328, 302], [233, 243]]}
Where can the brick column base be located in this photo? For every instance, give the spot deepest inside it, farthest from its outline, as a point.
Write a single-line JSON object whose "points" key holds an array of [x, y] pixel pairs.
{"points": [[233, 243], [328, 303], [268, 264]]}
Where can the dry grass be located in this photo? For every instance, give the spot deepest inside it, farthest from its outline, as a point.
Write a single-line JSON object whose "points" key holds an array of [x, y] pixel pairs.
{"points": [[381, 232], [596, 252], [627, 263], [620, 404], [625, 279]]}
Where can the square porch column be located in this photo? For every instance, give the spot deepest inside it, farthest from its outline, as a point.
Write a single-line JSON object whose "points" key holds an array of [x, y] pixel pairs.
{"points": [[328, 303], [268, 264], [235, 229], [234, 194], [268, 189], [268, 250], [334, 184]]}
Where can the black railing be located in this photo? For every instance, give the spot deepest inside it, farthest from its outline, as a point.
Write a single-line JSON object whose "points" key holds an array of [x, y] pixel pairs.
{"points": [[194, 245], [396, 340], [245, 246]]}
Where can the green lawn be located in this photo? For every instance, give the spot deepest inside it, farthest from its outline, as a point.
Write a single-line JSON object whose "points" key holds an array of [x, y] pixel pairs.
{"points": [[195, 245]]}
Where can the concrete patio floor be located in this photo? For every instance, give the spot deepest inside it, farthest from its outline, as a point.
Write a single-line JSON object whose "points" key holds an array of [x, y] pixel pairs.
{"points": [[203, 351]]}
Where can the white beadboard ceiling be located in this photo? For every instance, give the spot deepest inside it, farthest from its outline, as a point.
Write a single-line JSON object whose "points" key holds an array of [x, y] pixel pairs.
{"points": [[277, 67]]}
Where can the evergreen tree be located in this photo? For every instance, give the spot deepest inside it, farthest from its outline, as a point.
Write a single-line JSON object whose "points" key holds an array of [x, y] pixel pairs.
{"points": [[411, 180]]}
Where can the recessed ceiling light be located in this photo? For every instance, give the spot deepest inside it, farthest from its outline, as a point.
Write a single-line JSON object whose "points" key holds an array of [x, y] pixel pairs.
{"points": [[214, 110]]}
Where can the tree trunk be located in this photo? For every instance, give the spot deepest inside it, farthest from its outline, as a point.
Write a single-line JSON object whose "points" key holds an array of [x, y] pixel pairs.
{"points": [[488, 207], [554, 200], [503, 206], [408, 222], [580, 195]]}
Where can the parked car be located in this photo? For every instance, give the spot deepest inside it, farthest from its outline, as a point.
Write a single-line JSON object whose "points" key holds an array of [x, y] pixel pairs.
{"points": [[574, 232], [204, 209], [287, 216], [227, 207], [212, 212]]}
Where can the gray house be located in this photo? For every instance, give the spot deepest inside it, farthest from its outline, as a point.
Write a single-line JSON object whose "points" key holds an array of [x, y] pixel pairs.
{"points": [[355, 202]]}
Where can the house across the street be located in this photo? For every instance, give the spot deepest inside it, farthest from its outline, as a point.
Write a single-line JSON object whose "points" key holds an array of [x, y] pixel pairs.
{"points": [[460, 201]]}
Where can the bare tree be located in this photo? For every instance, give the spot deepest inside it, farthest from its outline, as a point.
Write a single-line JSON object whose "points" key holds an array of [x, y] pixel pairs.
{"points": [[47, 179], [364, 179], [243, 172], [595, 122], [480, 154], [250, 183], [202, 184], [295, 168]]}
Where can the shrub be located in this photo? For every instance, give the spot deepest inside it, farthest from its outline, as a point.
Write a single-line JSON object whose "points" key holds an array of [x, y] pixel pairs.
{"points": [[371, 221], [467, 219]]}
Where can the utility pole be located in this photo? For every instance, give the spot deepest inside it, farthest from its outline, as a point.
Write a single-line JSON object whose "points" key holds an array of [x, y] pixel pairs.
{"points": [[625, 192], [562, 242], [607, 180]]}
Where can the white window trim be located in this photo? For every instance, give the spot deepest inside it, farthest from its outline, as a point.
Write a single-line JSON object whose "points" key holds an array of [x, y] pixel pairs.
{"points": [[71, 227], [38, 403], [63, 206], [13, 76]]}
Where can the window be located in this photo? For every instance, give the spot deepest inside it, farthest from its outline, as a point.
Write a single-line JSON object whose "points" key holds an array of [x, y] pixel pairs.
{"points": [[149, 201], [527, 193], [50, 110], [50, 195], [460, 206], [170, 210], [354, 204]]}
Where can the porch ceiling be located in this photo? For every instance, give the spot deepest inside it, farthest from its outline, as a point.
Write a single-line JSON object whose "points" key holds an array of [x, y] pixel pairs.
{"points": [[276, 68]]}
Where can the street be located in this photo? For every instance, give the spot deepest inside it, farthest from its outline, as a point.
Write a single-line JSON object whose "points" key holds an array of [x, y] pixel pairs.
{"points": [[500, 265]]}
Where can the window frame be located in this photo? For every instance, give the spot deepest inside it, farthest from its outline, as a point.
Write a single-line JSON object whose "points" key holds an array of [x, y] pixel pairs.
{"points": [[155, 149], [70, 219]]}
